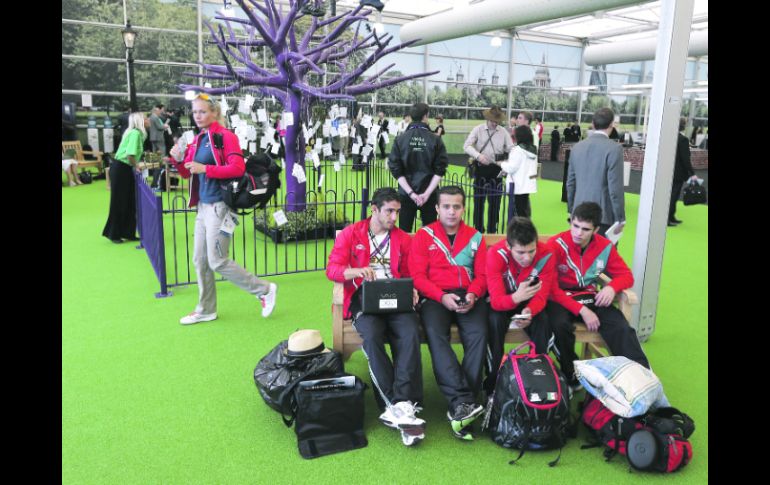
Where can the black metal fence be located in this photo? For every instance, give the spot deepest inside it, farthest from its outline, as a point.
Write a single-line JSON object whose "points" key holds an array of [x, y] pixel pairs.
{"points": [[334, 199]]}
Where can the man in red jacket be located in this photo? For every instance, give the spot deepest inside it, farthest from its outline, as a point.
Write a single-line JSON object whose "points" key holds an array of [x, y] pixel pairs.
{"points": [[581, 255], [512, 267], [448, 265], [376, 249]]}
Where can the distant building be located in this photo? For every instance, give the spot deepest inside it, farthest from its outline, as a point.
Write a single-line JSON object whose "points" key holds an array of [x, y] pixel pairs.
{"points": [[542, 77]]}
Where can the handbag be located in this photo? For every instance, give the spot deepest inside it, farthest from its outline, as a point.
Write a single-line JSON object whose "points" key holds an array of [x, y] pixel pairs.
{"points": [[473, 164], [694, 193]]}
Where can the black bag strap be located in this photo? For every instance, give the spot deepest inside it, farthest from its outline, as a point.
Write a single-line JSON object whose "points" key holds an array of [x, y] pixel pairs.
{"points": [[559, 437], [289, 392], [524, 443]]}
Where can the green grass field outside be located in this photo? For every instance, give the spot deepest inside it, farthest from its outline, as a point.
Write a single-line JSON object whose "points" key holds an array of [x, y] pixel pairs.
{"points": [[146, 400]]}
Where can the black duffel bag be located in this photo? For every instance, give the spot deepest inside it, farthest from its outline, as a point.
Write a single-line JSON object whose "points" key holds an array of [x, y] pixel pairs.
{"points": [[278, 373], [693, 193], [329, 417]]}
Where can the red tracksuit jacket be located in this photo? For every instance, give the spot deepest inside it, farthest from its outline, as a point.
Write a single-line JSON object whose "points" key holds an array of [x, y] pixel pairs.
{"points": [[504, 275], [600, 256], [433, 273], [351, 250]]}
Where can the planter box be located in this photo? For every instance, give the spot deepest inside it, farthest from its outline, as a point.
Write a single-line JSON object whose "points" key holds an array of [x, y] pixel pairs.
{"points": [[279, 235]]}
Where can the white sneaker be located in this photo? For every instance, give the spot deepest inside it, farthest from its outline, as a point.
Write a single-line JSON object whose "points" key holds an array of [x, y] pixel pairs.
{"points": [[401, 416], [196, 317], [411, 439], [268, 300]]}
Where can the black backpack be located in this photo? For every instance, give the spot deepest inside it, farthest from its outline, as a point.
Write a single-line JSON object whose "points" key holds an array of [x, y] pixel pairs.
{"points": [[529, 409], [85, 177], [257, 185]]}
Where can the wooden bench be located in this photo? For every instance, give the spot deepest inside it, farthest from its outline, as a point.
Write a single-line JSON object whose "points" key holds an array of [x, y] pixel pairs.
{"points": [[346, 339], [82, 162]]}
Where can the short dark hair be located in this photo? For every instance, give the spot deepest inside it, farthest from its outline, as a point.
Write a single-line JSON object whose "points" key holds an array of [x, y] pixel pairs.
{"points": [[523, 134], [682, 123], [383, 195], [418, 111], [527, 115], [588, 212], [603, 118], [450, 190], [440, 117], [159, 106], [521, 231]]}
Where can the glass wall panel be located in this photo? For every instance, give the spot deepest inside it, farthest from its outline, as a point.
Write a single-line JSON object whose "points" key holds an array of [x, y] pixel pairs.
{"points": [[528, 52], [95, 75], [88, 40], [474, 46], [394, 31], [524, 75], [166, 14], [107, 12]]}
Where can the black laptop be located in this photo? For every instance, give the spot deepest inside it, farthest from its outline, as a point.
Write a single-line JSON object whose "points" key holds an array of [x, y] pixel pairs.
{"points": [[387, 296]]}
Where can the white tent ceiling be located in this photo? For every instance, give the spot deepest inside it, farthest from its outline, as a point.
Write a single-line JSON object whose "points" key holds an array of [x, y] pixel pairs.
{"points": [[622, 24]]}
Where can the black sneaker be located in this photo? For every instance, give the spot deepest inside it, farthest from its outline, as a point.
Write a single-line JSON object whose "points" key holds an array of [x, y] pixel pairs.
{"points": [[462, 416]]}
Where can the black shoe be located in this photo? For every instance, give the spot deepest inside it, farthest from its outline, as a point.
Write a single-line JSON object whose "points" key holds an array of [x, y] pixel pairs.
{"points": [[132, 238], [117, 241], [675, 220], [673, 223]]}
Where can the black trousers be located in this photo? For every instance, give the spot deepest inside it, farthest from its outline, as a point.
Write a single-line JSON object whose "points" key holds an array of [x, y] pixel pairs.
{"points": [[381, 145], [459, 383], [121, 222], [676, 191], [539, 331], [614, 329], [523, 207], [486, 188], [401, 379], [409, 210], [554, 152]]}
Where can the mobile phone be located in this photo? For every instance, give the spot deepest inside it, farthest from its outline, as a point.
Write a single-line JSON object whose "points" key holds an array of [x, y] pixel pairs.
{"points": [[534, 280]]}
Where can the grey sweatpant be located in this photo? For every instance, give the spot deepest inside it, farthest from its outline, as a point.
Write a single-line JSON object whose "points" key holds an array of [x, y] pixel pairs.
{"points": [[211, 254]]}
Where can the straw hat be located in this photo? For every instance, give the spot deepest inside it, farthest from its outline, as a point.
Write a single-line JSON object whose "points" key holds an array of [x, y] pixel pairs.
{"points": [[494, 114], [303, 343]]}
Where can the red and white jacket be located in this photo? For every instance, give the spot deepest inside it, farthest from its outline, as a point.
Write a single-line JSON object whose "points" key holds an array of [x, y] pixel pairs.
{"points": [[578, 270], [229, 160], [504, 275], [433, 273], [351, 250]]}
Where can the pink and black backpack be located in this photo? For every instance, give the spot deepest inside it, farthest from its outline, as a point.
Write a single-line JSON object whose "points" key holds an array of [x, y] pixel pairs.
{"points": [[529, 409]]}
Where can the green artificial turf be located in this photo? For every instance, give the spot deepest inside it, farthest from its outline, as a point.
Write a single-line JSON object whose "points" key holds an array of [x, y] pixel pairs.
{"points": [[146, 400]]}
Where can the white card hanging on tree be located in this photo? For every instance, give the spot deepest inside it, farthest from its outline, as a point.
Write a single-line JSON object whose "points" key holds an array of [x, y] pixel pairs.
{"points": [[343, 112], [270, 133], [366, 151], [316, 125], [223, 105], [327, 129], [327, 147], [334, 112], [392, 127], [299, 173], [316, 160], [280, 217], [263, 142], [334, 131], [288, 119], [337, 166], [343, 130], [371, 139], [355, 149], [342, 158], [274, 150], [359, 140], [321, 180], [244, 106], [385, 137], [262, 115], [366, 122]]}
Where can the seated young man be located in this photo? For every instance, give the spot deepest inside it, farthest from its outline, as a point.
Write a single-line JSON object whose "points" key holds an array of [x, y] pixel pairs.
{"points": [[581, 255], [375, 249], [448, 264], [512, 266]]}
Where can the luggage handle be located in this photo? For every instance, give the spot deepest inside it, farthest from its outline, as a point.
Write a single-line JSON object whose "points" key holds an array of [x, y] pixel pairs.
{"points": [[532, 350]]}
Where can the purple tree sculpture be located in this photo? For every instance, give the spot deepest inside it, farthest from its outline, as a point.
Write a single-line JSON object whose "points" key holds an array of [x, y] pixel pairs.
{"points": [[295, 58]]}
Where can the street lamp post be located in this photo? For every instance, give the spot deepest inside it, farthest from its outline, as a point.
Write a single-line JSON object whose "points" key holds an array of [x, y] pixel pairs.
{"points": [[129, 37]]}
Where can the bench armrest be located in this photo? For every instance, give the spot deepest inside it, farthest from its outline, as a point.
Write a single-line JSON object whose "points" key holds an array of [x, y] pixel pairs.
{"points": [[338, 294]]}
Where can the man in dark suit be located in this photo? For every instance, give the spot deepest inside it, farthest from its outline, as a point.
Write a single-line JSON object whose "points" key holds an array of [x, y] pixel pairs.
{"points": [[682, 171], [555, 142], [595, 172], [383, 123]]}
